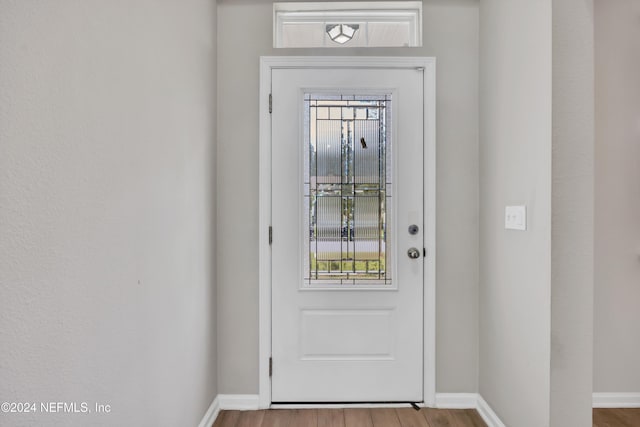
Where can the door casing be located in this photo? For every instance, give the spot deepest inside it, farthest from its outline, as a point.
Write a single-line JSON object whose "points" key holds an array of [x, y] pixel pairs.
{"points": [[267, 64]]}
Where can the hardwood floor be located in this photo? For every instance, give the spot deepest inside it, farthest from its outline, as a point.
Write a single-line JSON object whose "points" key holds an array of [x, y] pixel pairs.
{"points": [[616, 417], [392, 417], [352, 417]]}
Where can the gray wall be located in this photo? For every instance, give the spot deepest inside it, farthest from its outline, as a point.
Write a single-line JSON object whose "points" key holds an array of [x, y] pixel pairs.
{"points": [[537, 149], [106, 209], [617, 212], [451, 35], [572, 214], [515, 168]]}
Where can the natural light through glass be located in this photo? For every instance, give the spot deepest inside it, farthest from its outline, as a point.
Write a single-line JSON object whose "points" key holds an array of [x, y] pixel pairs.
{"points": [[347, 189], [338, 24]]}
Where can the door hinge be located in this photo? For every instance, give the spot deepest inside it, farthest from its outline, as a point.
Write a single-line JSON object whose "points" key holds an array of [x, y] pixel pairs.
{"points": [[270, 234], [424, 252], [270, 366], [270, 103]]}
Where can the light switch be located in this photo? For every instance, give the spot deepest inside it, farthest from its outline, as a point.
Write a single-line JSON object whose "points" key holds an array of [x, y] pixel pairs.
{"points": [[515, 218]]}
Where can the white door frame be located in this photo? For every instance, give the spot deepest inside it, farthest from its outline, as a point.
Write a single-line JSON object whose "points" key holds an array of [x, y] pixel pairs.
{"points": [[267, 64]]}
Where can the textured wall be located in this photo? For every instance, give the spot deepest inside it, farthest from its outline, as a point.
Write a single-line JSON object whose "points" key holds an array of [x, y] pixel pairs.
{"points": [[451, 35], [572, 215], [617, 213], [106, 209], [515, 168]]}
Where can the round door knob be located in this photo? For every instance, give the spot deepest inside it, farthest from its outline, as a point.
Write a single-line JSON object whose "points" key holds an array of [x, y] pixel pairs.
{"points": [[413, 253]]}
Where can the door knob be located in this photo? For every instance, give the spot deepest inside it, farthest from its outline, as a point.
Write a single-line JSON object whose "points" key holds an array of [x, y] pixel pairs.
{"points": [[413, 253]]}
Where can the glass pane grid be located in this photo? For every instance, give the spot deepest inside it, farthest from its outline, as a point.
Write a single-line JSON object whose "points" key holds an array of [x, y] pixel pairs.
{"points": [[346, 189]]}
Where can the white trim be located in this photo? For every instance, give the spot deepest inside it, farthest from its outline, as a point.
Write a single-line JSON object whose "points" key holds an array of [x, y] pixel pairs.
{"points": [[338, 405], [264, 249], [239, 402], [264, 211], [353, 5], [456, 400], [487, 414], [429, 281], [211, 414], [616, 400], [469, 401], [267, 63]]}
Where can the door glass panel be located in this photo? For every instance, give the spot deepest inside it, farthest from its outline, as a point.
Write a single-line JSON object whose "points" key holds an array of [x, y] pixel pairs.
{"points": [[347, 189]]}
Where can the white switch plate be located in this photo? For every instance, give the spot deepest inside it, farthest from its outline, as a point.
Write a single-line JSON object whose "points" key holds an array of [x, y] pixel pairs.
{"points": [[515, 218]]}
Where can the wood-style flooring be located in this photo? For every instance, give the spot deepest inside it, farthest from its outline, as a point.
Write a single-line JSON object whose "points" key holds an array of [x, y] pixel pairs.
{"points": [[352, 417], [616, 417], [392, 417]]}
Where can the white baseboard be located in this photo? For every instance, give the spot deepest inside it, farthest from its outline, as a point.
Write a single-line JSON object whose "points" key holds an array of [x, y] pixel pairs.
{"points": [[242, 402], [211, 414], [469, 401], [616, 400], [487, 414], [457, 400]]}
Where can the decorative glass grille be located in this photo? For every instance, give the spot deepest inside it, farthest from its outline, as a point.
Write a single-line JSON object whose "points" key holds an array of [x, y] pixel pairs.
{"points": [[347, 189], [380, 23]]}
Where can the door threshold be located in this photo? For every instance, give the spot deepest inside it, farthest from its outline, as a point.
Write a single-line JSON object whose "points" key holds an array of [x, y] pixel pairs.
{"points": [[343, 405]]}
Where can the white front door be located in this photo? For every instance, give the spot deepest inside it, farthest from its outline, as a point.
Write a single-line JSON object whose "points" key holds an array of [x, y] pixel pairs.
{"points": [[348, 235]]}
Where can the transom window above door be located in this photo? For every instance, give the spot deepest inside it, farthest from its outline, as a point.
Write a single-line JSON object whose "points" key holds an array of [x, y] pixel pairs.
{"points": [[347, 24]]}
